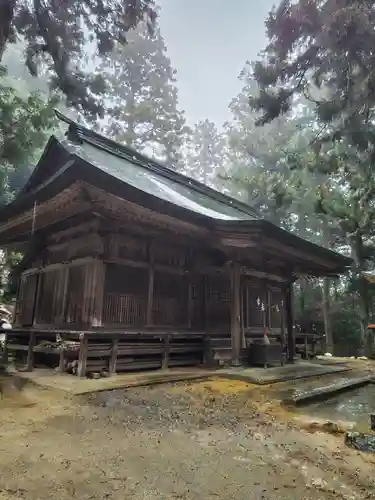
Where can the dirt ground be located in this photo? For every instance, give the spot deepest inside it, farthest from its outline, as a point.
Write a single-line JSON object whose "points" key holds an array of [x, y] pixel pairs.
{"points": [[197, 441]]}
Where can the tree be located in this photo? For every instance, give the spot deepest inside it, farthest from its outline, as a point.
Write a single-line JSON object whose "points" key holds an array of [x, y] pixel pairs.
{"points": [[259, 155], [141, 96], [24, 125], [324, 51], [205, 154], [56, 32]]}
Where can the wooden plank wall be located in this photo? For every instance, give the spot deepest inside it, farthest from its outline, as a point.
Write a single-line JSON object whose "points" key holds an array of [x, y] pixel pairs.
{"points": [[97, 278]]}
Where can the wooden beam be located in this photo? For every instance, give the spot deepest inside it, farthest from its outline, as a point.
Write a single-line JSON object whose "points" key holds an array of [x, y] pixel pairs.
{"points": [[235, 315], [72, 232], [59, 265]]}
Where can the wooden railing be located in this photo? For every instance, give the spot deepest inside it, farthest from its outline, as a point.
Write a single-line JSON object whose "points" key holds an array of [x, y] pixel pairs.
{"points": [[126, 309]]}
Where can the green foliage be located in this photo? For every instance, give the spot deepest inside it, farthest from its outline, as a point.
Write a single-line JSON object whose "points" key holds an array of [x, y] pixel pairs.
{"points": [[56, 34], [24, 125], [323, 51], [141, 96]]}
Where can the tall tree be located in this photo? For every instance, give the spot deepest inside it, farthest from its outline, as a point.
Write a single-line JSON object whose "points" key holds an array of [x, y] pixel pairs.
{"points": [[142, 99], [324, 51], [259, 155], [205, 155], [55, 33]]}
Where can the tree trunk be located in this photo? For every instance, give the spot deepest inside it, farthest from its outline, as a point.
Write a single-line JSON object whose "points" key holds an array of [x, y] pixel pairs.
{"points": [[359, 266], [326, 316], [6, 17], [326, 297]]}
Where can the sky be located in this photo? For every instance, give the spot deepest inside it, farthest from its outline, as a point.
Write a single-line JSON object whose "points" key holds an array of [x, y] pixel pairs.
{"points": [[209, 42]]}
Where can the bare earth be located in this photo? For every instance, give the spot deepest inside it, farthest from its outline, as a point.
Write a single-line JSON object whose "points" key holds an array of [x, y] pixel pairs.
{"points": [[198, 441]]}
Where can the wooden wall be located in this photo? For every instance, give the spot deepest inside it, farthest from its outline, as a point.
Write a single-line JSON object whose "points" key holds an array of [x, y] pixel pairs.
{"points": [[91, 276]]}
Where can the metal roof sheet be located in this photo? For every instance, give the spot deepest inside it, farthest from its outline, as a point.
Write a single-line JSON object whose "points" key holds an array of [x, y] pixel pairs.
{"points": [[157, 184]]}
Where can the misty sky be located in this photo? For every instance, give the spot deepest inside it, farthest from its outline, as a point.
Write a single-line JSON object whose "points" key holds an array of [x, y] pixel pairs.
{"points": [[208, 43]]}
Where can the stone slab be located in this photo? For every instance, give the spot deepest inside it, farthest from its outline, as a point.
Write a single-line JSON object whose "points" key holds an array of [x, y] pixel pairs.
{"points": [[263, 376], [300, 397], [360, 441], [78, 386]]}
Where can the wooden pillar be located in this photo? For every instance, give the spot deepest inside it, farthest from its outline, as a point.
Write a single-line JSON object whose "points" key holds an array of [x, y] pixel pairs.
{"points": [[166, 346], [37, 300], [93, 294], [64, 295], [30, 352], [82, 358], [150, 293], [269, 307], [113, 358], [190, 302], [290, 322], [236, 315]]}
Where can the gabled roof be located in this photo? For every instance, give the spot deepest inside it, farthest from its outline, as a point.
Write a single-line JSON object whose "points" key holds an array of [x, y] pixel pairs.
{"points": [[149, 176], [128, 174]]}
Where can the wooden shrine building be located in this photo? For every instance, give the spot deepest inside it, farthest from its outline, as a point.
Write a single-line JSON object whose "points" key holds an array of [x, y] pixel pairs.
{"points": [[115, 242]]}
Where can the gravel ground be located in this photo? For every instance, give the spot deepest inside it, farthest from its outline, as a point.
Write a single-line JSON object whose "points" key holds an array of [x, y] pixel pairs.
{"points": [[197, 441]]}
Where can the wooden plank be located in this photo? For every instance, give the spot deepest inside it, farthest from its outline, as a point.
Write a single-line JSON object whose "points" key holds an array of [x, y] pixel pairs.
{"points": [[82, 359]]}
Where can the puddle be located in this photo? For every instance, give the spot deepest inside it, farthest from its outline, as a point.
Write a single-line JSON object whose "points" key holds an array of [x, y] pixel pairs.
{"points": [[353, 406]]}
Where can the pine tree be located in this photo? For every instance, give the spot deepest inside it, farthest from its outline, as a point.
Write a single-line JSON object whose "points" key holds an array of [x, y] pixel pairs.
{"points": [[206, 153], [142, 98]]}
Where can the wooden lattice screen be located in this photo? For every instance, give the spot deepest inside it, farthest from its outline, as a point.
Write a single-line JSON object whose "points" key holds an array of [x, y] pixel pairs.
{"points": [[170, 299], [218, 301], [125, 295], [74, 295]]}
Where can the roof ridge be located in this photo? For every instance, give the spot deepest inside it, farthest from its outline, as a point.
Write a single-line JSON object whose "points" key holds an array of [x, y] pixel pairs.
{"points": [[130, 154]]}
